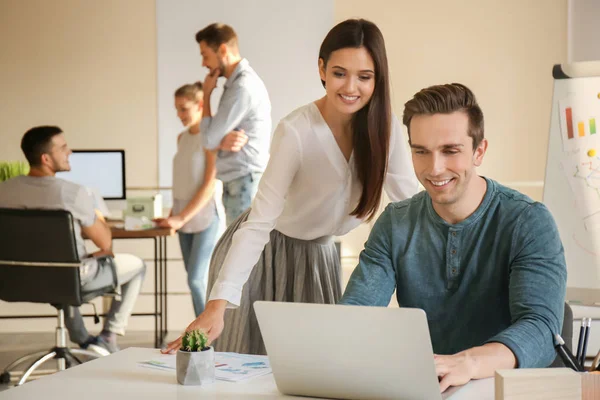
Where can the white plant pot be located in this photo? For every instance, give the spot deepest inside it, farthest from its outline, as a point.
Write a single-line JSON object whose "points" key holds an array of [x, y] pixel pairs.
{"points": [[196, 367]]}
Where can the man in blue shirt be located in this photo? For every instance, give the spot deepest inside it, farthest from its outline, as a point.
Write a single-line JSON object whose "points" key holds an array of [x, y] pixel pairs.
{"points": [[244, 110], [484, 261]]}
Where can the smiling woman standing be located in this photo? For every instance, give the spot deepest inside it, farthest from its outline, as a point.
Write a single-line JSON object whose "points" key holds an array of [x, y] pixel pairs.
{"points": [[328, 167], [195, 213]]}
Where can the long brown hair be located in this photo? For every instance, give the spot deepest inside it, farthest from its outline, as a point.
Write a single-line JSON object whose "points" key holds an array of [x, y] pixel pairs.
{"points": [[371, 125]]}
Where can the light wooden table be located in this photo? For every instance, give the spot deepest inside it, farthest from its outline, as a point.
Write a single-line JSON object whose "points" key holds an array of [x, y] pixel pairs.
{"points": [[119, 376]]}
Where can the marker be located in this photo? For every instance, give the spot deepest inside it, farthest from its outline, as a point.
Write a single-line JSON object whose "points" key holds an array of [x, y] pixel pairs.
{"points": [[588, 325], [565, 354], [580, 341]]}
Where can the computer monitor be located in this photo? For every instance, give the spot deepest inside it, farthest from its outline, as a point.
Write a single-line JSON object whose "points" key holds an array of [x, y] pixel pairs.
{"points": [[103, 170]]}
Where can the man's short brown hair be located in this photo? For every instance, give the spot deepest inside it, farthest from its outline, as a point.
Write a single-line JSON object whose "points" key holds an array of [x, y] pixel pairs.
{"points": [[446, 99], [214, 35], [37, 142]]}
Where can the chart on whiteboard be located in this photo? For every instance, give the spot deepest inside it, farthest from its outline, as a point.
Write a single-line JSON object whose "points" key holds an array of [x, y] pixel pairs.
{"points": [[581, 155], [578, 122], [582, 170]]}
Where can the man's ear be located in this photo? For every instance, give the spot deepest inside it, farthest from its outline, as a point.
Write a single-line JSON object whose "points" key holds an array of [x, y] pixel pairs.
{"points": [[480, 152], [222, 50], [45, 159]]}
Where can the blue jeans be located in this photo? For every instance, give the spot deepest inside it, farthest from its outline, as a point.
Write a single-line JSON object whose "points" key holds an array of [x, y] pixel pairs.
{"points": [[130, 275], [196, 249], [238, 195]]}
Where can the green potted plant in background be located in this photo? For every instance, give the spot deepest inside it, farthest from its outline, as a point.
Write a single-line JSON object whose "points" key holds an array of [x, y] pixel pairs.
{"points": [[195, 360], [10, 169]]}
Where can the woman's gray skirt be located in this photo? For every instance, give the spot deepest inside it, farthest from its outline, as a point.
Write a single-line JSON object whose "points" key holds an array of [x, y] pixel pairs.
{"points": [[290, 270]]}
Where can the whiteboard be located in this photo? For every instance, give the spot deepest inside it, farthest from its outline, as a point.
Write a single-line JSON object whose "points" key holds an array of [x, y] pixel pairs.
{"points": [[572, 182], [280, 39]]}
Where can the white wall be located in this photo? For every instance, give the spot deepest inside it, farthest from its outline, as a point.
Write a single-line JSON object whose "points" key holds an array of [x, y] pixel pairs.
{"points": [[86, 66], [281, 40], [584, 30]]}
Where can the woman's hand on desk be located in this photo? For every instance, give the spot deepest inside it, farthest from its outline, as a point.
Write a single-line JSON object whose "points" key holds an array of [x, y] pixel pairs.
{"points": [[210, 321], [173, 222]]}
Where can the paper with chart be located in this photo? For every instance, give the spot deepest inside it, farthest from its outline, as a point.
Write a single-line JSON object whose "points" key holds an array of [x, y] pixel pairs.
{"points": [[580, 159], [582, 170], [237, 367], [578, 116], [231, 367]]}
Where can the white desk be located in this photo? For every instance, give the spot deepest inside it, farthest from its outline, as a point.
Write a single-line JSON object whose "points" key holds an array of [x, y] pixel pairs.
{"points": [[119, 377]]}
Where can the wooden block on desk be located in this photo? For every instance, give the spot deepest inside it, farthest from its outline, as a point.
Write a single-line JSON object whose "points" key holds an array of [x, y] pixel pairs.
{"points": [[590, 386], [538, 383]]}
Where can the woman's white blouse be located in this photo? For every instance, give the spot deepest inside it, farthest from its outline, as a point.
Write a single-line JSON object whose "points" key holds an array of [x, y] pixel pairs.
{"points": [[307, 191]]}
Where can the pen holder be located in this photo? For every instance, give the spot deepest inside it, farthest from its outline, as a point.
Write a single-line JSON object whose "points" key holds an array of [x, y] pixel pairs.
{"points": [[590, 385], [538, 384]]}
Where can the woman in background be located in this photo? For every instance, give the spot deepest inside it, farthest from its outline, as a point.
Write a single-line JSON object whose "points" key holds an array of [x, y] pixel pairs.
{"points": [[328, 167], [195, 212]]}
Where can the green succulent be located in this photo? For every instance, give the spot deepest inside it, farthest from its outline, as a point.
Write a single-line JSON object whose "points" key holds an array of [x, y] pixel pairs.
{"points": [[11, 169], [195, 340]]}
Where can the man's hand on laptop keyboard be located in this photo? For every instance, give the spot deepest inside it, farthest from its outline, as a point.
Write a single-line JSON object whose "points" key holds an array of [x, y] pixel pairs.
{"points": [[474, 363], [454, 370]]}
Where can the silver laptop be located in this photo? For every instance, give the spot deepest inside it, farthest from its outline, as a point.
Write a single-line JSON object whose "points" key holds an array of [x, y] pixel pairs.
{"points": [[349, 352]]}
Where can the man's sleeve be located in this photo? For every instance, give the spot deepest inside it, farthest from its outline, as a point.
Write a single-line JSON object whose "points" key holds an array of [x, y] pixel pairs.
{"points": [[82, 207], [234, 105], [373, 281], [537, 285]]}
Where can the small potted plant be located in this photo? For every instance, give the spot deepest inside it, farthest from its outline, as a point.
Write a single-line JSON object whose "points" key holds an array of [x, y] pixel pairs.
{"points": [[195, 360]]}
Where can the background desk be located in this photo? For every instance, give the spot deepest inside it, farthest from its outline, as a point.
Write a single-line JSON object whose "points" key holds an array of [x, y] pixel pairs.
{"points": [[119, 377], [159, 235]]}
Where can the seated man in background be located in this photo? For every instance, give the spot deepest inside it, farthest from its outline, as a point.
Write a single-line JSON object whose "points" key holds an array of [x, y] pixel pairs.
{"points": [[47, 152], [484, 261]]}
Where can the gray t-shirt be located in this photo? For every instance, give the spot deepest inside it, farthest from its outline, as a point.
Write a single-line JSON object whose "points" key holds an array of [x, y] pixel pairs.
{"points": [[49, 192]]}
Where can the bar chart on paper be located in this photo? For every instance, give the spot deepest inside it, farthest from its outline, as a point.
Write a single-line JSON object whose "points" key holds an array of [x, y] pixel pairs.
{"points": [[577, 122]]}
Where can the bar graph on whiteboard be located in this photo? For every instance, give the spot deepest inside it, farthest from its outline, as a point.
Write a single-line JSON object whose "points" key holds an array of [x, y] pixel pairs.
{"points": [[578, 123]]}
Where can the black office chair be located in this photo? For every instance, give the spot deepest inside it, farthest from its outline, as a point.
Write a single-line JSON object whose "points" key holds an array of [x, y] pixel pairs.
{"points": [[39, 264]]}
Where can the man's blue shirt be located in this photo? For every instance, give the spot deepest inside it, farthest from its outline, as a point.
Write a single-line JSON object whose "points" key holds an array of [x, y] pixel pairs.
{"points": [[244, 105], [498, 276]]}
